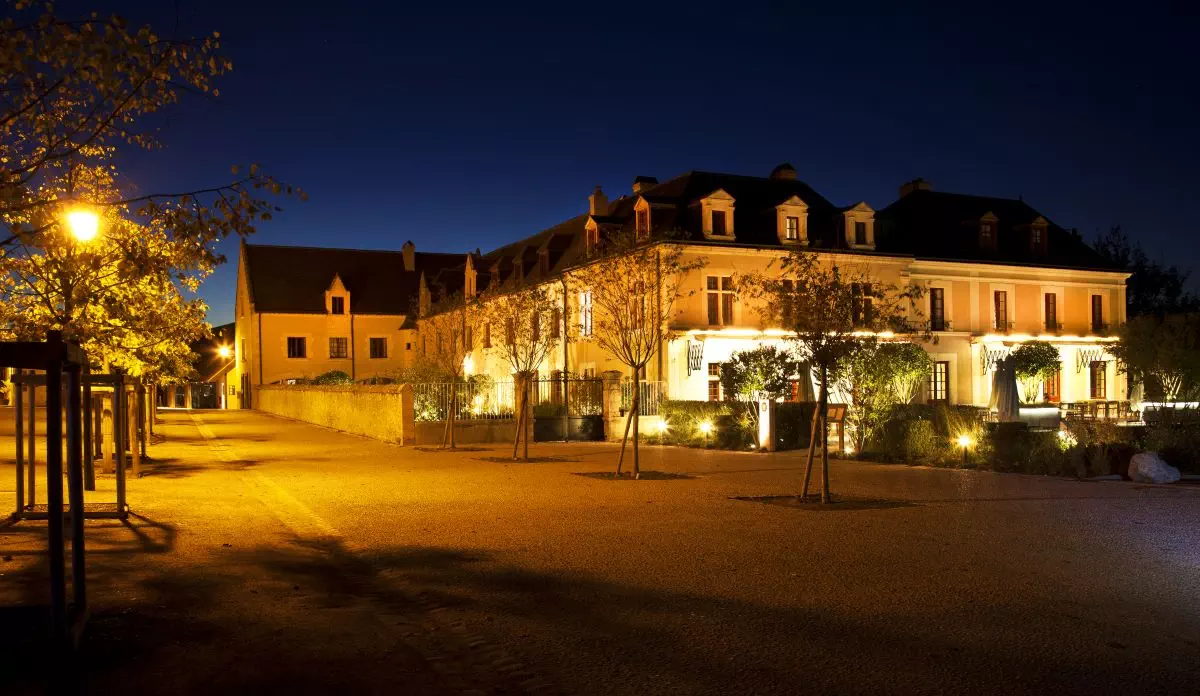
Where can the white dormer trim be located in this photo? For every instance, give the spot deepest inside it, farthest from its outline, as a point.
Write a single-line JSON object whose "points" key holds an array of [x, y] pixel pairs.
{"points": [[792, 207], [470, 278], [860, 212], [718, 201]]}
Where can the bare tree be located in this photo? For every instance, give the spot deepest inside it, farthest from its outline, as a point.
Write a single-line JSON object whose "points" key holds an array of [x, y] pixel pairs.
{"points": [[517, 321], [834, 312], [448, 330], [634, 285]]}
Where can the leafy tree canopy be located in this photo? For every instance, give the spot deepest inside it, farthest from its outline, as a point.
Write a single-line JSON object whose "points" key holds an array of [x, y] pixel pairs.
{"points": [[1153, 288], [1162, 353], [760, 373]]}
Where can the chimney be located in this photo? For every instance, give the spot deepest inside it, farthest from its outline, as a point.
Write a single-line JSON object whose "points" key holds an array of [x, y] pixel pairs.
{"points": [[598, 203], [643, 183], [917, 184], [784, 172], [409, 249]]}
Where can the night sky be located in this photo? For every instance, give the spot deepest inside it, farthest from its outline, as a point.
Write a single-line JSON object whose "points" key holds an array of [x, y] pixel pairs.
{"points": [[461, 128]]}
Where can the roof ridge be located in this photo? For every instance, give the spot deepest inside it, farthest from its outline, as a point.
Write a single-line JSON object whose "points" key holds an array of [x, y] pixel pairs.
{"points": [[364, 251]]}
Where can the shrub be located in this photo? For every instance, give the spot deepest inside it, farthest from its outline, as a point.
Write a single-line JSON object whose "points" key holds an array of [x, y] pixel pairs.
{"points": [[1034, 362], [333, 377], [920, 442], [731, 427], [1177, 442]]}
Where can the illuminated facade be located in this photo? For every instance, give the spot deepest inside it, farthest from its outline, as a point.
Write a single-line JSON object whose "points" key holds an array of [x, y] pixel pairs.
{"points": [[997, 273]]}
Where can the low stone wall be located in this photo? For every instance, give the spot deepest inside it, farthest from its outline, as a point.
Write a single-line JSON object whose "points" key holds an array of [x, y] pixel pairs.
{"points": [[467, 432], [383, 412]]}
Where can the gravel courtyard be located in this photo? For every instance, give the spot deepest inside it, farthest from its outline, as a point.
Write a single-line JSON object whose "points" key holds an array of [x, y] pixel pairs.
{"points": [[268, 555]]}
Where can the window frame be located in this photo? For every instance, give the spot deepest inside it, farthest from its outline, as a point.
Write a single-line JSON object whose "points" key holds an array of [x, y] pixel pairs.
{"points": [[712, 223], [860, 233], [1050, 311], [342, 342], [791, 228], [1000, 321], [1097, 313], [585, 314], [300, 342], [937, 301], [372, 342], [337, 305], [713, 381], [1098, 380], [720, 299], [940, 368]]}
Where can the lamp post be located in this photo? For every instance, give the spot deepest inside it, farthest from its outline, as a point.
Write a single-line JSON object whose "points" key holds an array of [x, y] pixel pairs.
{"points": [[965, 441]]}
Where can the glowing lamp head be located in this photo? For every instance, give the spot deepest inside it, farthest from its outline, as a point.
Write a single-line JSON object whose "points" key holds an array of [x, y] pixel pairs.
{"points": [[224, 352], [965, 440], [84, 224], [706, 427], [663, 427]]}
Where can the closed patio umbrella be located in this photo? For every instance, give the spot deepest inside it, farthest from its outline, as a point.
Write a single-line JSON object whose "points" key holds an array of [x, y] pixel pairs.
{"points": [[1005, 401]]}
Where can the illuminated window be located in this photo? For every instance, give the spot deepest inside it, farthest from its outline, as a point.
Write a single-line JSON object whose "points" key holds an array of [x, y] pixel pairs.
{"points": [[1099, 379], [939, 381], [714, 381], [862, 305], [987, 235], [1000, 301], [337, 305], [720, 300], [1051, 312], [1053, 387], [297, 347], [792, 229], [378, 348], [585, 313], [937, 309]]}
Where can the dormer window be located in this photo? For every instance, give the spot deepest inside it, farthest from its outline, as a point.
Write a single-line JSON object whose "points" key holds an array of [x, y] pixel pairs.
{"points": [[792, 221], [337, 305], [1038, 236], [544, 262], [860, 227], [592, 237], [716, 215], [987, 232], [643, 224]]}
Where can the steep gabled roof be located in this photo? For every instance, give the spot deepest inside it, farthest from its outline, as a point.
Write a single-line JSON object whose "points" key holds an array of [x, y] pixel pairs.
{"points": [[945, 226], [287, 279]]}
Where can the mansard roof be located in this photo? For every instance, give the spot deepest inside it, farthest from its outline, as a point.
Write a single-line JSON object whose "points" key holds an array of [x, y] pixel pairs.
{"points": [[937, 225]]}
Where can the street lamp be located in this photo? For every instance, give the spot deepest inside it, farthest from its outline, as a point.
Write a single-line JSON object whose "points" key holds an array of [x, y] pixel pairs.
{"points": [[84, 224], [224, 352]]}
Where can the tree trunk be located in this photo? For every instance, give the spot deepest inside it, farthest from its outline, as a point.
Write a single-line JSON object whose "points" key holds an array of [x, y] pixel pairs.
{"points": [[637, 470], [528, 417], [624, 439], [824, 436], [812, 446], [453, 415], [518, 395]]}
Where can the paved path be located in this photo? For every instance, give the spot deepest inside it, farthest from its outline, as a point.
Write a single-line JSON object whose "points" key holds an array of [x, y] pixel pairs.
{"points": [[272, 555]]}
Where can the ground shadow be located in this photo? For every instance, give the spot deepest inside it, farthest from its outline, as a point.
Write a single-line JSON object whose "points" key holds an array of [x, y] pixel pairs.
{"points": [[628, 476], [813, 503], [459, 448], [531, 460]]}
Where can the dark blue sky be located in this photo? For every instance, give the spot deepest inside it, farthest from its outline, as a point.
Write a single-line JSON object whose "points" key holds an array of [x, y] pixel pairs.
{"points": [[458, 127]]}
